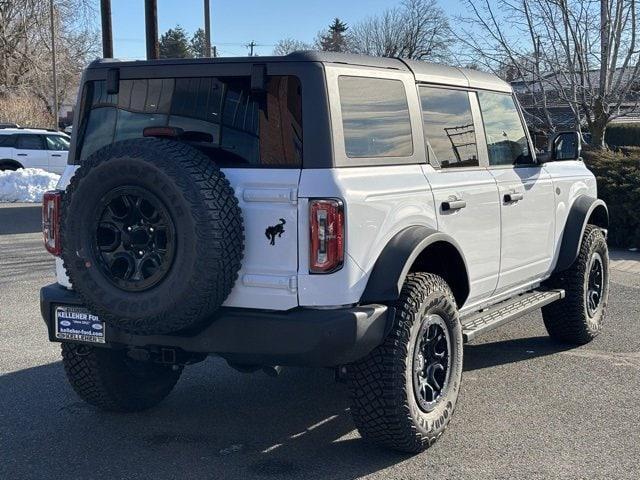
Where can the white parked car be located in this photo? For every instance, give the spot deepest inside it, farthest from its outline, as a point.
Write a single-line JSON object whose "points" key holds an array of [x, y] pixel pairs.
{"points": [[33, 148]]}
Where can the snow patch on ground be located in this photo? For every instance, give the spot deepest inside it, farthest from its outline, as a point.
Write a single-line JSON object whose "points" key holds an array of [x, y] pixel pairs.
{"points": [[26, 185]]}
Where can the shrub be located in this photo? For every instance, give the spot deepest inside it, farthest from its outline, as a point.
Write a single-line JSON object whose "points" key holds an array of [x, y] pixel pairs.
{"points": [[619, 134], [618, 175], [25, 110]]}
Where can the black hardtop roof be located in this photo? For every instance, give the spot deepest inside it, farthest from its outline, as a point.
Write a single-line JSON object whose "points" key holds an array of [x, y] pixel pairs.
{"points": [[423, 71], [301, 56]]}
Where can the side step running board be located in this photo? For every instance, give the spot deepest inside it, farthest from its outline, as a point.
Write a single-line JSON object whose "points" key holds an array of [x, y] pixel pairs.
{"points": [[492, 317]]}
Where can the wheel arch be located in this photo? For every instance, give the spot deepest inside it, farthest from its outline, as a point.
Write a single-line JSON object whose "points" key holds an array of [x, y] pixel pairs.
{"points": [[7, 162], [585, 210], [417, 249]]}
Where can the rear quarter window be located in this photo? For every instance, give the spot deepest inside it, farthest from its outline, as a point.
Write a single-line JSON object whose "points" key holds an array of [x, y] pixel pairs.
{"points": [[7, 141], [232, 125], [375, 117]]}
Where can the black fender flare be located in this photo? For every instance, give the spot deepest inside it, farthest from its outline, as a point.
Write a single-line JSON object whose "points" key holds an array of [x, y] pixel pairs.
{"points": [[583, 208], [397, 257]]}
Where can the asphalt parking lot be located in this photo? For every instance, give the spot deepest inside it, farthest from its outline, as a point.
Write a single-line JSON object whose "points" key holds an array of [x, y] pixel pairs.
{"points": [[529, 408]]}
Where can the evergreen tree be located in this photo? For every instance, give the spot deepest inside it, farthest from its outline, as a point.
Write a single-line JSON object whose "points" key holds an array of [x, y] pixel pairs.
{"points": [[198, 44], [174, 44], [334, 40]]}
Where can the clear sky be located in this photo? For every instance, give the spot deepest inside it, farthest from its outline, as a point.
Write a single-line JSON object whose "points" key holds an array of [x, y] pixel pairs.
{"points": [[237, 22]]}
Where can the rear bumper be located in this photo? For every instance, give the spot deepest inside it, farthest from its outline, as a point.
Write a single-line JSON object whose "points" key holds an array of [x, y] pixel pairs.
{"points": [[299, 337]]}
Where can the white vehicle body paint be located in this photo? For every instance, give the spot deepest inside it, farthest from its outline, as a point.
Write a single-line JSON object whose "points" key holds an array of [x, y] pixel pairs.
{"points": [[508, 247]]}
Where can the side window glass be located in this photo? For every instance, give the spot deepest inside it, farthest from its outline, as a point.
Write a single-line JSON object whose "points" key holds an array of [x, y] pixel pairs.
{"points": [[7, 141], [449, 131], [506, 139], [30, 142], [56, 142], [375, 117]]}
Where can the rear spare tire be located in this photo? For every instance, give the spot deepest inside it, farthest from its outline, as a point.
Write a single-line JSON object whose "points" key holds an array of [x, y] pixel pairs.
{"points": [[152, 235]]}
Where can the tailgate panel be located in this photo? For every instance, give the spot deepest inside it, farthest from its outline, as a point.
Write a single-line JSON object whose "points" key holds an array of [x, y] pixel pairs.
{"points": [[268, 276]]}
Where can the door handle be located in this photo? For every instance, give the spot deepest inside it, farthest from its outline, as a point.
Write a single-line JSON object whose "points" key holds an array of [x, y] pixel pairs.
{"points": [[453, 205], [513, 197], [22, 154], [56, 155]]}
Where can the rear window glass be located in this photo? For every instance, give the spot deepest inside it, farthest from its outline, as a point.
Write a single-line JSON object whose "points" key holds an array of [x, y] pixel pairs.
{"points": [[218, 115], [375, 117], [30, 142]]}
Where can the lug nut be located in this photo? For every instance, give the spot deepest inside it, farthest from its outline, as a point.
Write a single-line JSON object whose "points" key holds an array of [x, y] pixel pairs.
{"points": [[129, 229], [140, 252]]}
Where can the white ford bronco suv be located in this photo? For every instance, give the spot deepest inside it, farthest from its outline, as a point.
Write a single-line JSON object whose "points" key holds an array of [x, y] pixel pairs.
{"points": [[366, 214]]}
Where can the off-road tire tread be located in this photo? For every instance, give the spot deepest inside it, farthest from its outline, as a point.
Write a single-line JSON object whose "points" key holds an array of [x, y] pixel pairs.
{"points": [[94, 377], [379, 407], [566, 319], [220, 244]]}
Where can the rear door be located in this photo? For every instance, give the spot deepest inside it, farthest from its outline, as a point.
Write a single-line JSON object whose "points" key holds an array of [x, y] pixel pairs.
{"points": [[255, 138], [527, 196], [57, 150], [31, 151], [465, 193]]}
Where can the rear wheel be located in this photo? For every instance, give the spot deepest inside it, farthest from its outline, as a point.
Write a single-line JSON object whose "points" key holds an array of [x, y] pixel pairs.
{"points": [[110, 380], [578, 318], [403, 394], [9, 167]]}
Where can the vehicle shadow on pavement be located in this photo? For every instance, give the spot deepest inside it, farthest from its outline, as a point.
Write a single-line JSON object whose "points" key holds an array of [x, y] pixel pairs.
{"points": [[485, 355], [217, 424], [20, 219]]}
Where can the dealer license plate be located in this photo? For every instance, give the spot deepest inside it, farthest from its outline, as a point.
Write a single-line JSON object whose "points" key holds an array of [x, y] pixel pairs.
{"points": [[77, 324]]}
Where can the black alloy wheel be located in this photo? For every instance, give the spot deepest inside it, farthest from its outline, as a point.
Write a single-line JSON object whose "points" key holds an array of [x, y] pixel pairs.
{"points": [[134, 241], [595, 284], [431, 363]]}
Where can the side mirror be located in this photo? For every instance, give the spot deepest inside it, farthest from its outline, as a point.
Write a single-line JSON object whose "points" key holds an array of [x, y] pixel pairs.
{"points": [[566, 146]]}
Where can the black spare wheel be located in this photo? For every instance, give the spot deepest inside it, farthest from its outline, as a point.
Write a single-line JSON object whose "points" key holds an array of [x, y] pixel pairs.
{"points": [[152, 235]]}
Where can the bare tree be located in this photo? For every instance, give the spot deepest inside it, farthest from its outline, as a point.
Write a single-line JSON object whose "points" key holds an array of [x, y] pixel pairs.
{"points": [[289, 45], [582, 53], [25, 49], [417, 29]]}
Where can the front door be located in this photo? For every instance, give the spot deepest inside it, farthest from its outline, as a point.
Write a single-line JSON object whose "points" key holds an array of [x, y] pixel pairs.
{"points": [[464, 191], [57, 147], [526, 194]]}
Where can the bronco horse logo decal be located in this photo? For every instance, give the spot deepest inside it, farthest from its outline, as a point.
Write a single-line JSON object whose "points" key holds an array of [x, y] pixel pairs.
{"points": [[274, 230]]}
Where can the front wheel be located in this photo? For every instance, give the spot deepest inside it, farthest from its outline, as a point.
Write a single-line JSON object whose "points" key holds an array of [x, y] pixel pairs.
{"points": [[578, 318], [403, 393], [110, 380]]}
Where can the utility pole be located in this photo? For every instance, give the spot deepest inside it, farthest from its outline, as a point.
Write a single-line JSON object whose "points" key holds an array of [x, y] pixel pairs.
{"points": [[107, 37], [250, 47], [207, 29], [151, 28], [53, 66]]}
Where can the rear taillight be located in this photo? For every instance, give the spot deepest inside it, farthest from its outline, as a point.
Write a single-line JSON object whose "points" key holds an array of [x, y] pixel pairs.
{"points": [[51, 221], [326, 218]]}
